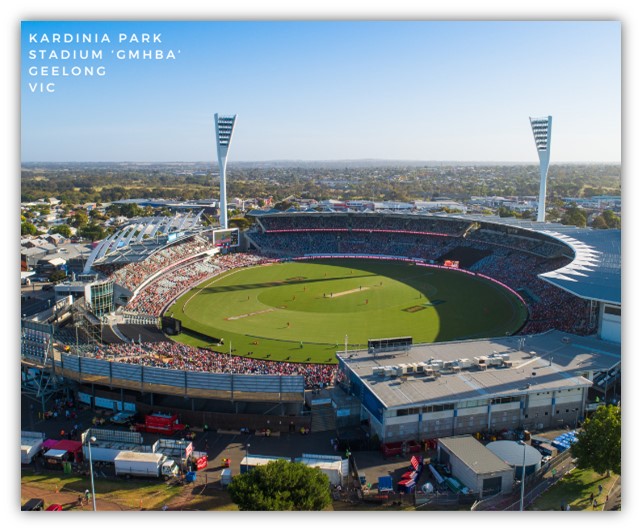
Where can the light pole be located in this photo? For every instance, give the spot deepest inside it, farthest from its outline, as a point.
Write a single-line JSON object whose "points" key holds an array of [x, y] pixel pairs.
{"points": [[91, 471], [521, 497]]}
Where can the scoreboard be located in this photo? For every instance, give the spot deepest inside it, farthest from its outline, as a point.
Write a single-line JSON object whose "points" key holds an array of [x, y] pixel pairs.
{"points": [[226, 238]]}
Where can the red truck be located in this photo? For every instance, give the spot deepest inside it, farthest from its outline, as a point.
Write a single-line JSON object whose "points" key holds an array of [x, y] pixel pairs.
{"points": [[161, 423]]}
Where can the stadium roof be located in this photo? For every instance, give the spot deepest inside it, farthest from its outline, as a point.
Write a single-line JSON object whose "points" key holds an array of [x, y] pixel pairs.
{"points": [[143, 236], [596, 269], [594, 273], [546, 362]]}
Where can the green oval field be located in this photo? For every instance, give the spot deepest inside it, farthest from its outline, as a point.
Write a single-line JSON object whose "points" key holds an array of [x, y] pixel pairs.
{"points": [[303, 311]]}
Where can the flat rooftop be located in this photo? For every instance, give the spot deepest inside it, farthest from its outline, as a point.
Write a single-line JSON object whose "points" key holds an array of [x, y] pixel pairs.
{"points": [[477, 457], [545, 362]]}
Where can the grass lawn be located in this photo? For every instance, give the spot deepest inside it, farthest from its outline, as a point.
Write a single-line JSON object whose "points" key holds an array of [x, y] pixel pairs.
{"points": [[212, 498], [575, 489], [302, 311], [154, 494]]}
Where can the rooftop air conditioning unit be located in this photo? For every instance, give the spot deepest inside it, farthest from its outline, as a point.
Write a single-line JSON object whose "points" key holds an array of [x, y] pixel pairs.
{"points": [[421, 367]]}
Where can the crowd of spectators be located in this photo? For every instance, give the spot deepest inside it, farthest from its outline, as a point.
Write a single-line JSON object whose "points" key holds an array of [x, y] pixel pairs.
{"points": [[134, 274], [518, 241], [393, 244], [549, 307], [183, 357], [368, 222], [154, 296], [514, 259]]}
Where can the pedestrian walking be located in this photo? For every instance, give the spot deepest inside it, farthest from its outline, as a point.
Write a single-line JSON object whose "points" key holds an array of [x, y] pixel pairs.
{"points": [[568, 507], [599, 489], [594, 504]]}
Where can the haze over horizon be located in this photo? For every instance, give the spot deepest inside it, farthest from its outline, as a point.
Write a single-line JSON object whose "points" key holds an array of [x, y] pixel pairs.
{"points": [[369, 161], [324, 91]]}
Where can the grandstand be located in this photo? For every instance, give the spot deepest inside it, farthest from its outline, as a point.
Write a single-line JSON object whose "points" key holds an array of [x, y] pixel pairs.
{"points": [[569, 279], [558, 266]]}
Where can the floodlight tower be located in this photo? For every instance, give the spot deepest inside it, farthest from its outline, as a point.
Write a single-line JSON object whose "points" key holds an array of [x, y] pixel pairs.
{"points": [[542, 133], [224, 125]]}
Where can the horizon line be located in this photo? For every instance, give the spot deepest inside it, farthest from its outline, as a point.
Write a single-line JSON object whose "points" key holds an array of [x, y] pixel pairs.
{"points": [[431, 161]]}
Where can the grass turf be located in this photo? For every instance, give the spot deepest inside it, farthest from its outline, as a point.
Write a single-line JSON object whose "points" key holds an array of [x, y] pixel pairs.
{"points": [[302, 311], [575, 489]]}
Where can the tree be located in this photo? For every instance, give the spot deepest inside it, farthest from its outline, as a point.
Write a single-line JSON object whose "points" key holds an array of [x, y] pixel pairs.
{"points": [[79, 219], [599, 443], [57, 275], [574, 216], [599, 222], [281, 485], [92, 232], [505, 212], [27, 228], [612, 220], [63, 230], [241, 223]]}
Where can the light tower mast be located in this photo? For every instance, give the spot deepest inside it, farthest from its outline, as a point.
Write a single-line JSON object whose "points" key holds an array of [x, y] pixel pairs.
{"points": [[542, 133], [224, 126]]}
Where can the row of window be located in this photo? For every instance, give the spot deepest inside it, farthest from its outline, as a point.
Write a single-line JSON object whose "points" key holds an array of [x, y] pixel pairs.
{"points": [[425, 409], [466, 404]]}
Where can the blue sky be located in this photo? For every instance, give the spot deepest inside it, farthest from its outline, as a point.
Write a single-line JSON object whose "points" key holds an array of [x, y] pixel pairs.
{"points": [[329, 90]]}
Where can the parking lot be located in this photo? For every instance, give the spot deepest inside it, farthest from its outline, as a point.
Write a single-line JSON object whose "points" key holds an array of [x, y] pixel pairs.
{"points": [[232, 445]]}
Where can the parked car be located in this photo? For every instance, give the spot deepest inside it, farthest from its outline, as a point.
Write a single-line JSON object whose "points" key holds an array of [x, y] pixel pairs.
{"points": [[33, 505], [123, 418], [54, 508]]}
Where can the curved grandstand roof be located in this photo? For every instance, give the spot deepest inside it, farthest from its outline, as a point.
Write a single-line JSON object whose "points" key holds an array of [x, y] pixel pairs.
{"points": [[142, 236], [594, 273], [596, 269]]}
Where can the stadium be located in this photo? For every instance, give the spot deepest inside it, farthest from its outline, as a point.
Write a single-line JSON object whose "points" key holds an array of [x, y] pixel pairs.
{"points": [[403, 325], [555, 278]]}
